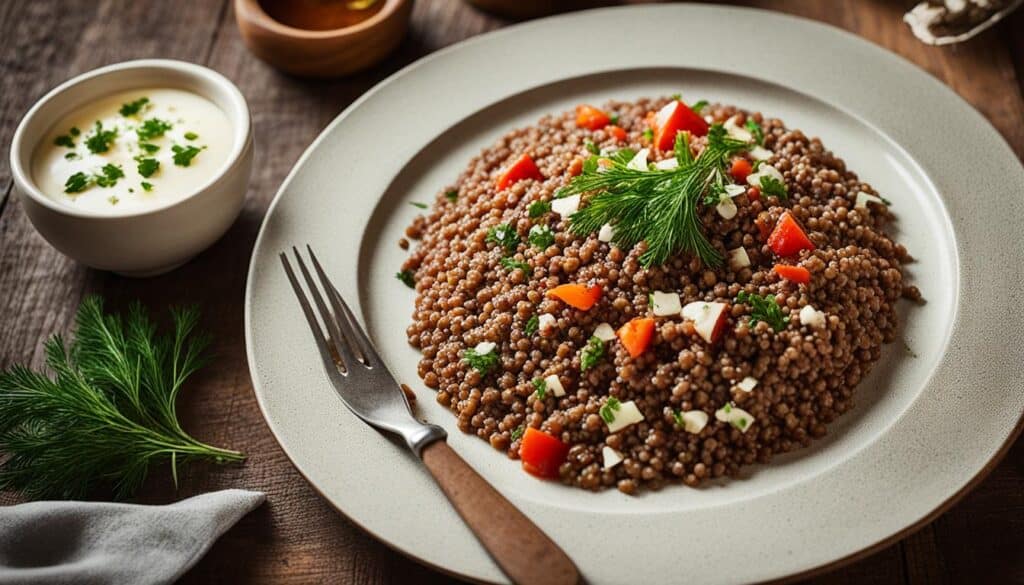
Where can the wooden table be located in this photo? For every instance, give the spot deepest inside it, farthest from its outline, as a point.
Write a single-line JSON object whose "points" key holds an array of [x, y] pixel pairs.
{"points": [[296, 537]]}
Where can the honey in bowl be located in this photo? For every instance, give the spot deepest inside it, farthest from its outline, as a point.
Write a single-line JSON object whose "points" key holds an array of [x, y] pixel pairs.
{"points": [[321, 14]]}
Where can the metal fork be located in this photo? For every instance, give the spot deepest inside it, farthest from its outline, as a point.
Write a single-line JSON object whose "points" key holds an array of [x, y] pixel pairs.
{"points": [[367, 388]]}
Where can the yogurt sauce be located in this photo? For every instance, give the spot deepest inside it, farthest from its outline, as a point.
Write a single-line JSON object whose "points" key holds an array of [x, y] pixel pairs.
{"points": [[133, 151]]}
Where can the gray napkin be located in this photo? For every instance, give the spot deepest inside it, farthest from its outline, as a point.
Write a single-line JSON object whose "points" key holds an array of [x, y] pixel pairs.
{"points": [[104, 543]]}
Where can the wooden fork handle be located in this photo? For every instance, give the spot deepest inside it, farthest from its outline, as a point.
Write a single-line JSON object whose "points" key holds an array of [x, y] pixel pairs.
{"points": [[519, 547]]}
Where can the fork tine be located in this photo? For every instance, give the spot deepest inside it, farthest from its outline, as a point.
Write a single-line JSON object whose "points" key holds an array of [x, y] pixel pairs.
{"points": [[349, 325], [314, 325], [336, 338]]}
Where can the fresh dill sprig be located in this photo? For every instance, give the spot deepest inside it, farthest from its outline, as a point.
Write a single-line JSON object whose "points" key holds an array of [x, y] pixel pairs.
{"points": [[655, 206], [765, 309], [108, 412]]}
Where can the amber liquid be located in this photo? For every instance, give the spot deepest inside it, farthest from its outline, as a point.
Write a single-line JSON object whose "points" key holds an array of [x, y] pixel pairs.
{"points": [[318, 14]]}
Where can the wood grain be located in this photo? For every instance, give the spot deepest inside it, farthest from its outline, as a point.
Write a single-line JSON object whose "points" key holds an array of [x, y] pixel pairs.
{"points": [[296, 537], [517, 545]]}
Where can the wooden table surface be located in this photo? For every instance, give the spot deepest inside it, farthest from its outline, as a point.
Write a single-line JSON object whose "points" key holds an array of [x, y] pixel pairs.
{"points": [[296, 537]]}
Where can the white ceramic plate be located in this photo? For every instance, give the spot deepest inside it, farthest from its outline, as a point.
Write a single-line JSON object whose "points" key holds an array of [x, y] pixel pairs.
{"points": [[931, 417]]}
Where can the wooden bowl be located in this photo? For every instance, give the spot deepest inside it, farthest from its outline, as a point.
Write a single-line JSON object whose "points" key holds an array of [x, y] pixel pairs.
{"points": [[322, 53]]}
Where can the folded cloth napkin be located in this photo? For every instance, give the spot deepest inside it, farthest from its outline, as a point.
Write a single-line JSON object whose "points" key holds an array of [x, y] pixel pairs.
{"points": [[105, 543]]}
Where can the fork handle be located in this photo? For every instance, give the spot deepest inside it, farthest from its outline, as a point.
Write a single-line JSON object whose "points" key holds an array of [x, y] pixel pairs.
{"points": [[521, 549]]}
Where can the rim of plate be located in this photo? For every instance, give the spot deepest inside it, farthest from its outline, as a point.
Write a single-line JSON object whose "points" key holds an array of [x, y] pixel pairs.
{"points": [[913, 83]]}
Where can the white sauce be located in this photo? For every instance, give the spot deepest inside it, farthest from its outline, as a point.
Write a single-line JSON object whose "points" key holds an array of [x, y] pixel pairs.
{"points": [[185, 111]]}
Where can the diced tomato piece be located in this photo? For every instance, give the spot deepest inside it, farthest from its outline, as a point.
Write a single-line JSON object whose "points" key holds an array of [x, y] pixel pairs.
{"points": [[797, 274], [740, 170], [576, 166], [754, 193], [591, 118], [636, 335], [523, 168], [674, 118], [579, 296], [788, 238], [617, 132], [541, 453]]}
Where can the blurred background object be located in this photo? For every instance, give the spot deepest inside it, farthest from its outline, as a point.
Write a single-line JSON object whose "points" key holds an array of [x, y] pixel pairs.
{"points": [[955, 21]]}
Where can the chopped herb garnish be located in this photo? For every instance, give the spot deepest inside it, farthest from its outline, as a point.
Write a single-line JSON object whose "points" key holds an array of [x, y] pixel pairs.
{"points": [[518, 432], [100, 140], [147, 186], [607, 411], [677, 96], [504, 235], [592, 353], [659, 207], [74, 131], [540, 388], [481, 362], [540, 236], [191, 136], [110, 173], [149, 147], [64, 140], [132, 108], [77, 183], [147, 166], [591, 147], [697, 107], [406, 277], [755, 130], [539, 208], [113, 200], [451, 194], [678, 417], [773, 186], [183, 155], [532, 324], [765, 309], [614, 119], [648, 134], [71, 155], [418, 204], [511, 264], [152, 128]]}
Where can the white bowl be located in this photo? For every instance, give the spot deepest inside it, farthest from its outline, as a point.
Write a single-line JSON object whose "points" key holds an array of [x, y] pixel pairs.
{"points": [[159, 239]]}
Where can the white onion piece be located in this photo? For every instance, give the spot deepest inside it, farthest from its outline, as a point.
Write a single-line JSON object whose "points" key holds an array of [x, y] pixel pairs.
{"points": [[738, 259], [484, 347], [611, 457], [666, 303], [627, 414], [864, 198], [726, 208], [545, 324], [736, 131], [604, 332], [555, 385], [747, 384], [667, 164], [735, 416], [812, 317], [761, 153], [606, 233], [566, 206], [639, 160]]}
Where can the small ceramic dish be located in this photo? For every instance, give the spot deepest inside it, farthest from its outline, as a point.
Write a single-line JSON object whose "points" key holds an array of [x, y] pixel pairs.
{"points": [[322, 53], [159, 238]]}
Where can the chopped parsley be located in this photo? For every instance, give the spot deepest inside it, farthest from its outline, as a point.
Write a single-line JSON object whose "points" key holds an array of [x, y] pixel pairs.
{"points": [[418, 204], [77, 183], [755, 130], [773, 186], [512, 264], [191, 136], [648, 134], [149, 147], [64, 140], [152, 128], [74, 131], [764, 308], [540, 388], [503, 235], [532, 324], [591, 353], [481, 362], [613, 119], [678, 417], [591, 147], [518, 432], [607, 411], [134, 107], [100, 140], [147, 166], [697, 107], [183, 155], [71, 156], [539, 208], [146, 186], [110, 173], [540, 236], [451, 194], [406, 277]]}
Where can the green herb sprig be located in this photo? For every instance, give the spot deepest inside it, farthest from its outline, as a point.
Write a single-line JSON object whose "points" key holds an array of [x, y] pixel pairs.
{"points": [[481, 362], [107, 413], [764, 308], [591, 353], [607, 411], [540, 388], [656, 206], [511, 264], [407, 278], [504, 235], [532, 325]]}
